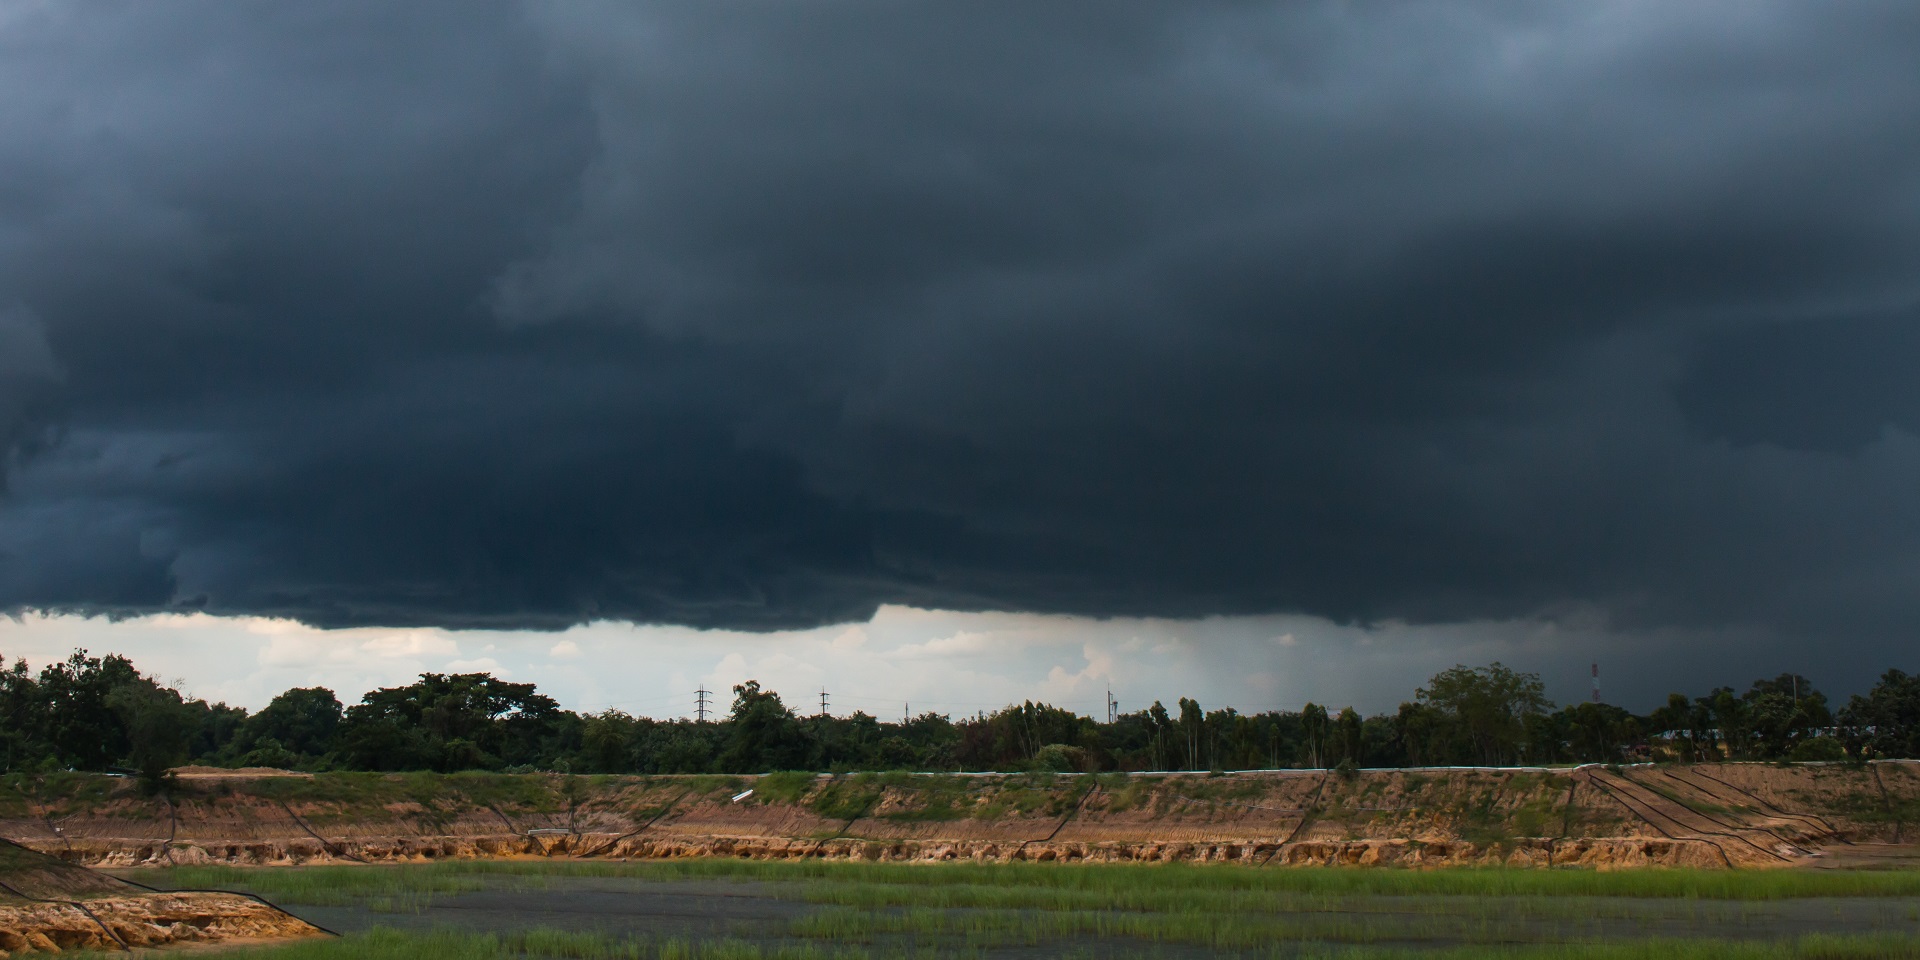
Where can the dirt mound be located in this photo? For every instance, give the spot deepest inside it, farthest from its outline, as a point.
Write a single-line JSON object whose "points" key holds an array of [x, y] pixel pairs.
{"points": [[147, 920], [50, 905], [231, 772], [1731, 815], [27, 876]]}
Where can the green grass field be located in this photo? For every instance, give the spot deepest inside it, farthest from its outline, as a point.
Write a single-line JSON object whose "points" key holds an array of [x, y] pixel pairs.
{"points": [[856, 910]]}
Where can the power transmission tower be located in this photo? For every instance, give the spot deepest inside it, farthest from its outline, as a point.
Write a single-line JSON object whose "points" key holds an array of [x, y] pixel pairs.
{"points": [[823, 703], [700, 701]]}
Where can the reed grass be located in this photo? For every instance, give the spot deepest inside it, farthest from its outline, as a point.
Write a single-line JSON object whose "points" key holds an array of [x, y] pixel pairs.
{"points": [[1001, 928], [383, 889], [386, 944], [447, 944], [1577, 915], [1047, 885]]}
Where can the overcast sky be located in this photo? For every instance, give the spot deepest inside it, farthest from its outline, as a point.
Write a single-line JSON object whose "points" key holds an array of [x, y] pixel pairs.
{"points": [[1131, 336]]}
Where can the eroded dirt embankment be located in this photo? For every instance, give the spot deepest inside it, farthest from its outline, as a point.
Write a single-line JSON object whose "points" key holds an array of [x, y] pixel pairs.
{"points": [[49, 906], [1721, 815], [146, 920]]}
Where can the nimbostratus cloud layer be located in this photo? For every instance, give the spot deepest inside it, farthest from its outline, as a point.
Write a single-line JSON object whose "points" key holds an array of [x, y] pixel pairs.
{"points": [[484, 314]]}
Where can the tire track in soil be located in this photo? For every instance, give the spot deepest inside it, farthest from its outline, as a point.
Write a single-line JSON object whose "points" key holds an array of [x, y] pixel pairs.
{"points": [[1732, 829], [610, 844], [1739, 797], [38, 809], [872, 802], [327, 846], [1062, 824], [1306, 817], [1679, 811], [1650, 813], [1649, 821], [1566, 819], [1886, 802], [511, 827], [173, 828]]}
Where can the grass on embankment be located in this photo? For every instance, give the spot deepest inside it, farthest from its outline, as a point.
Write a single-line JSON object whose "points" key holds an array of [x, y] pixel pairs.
{"points": [[452, 945]]}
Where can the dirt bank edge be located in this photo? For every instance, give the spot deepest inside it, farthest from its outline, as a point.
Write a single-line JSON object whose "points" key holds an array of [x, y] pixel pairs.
{"points": [[1722, 815]]}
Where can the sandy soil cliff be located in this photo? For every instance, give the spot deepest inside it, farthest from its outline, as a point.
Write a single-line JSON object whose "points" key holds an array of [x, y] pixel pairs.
{"points": [[1720, 815], [49, 906]]}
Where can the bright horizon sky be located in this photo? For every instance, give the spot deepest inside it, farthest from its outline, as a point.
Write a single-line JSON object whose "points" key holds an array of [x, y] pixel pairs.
{"points": [[948, 662]]}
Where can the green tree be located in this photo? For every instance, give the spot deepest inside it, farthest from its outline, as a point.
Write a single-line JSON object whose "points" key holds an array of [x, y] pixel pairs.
{"points": [[1315, 727], [607, 742], [1885, 722], [302, 720], [763, 735], [83, 730], [933, 739], [1008, 739], [1733, 718], [1676, 720], [1059, 758], [1784, 711], [268, 752], [1192, 725], [159, 728], [680, 746], [1600, 732], [1162, 726], [23, 714], [453, 722], [1420, 730], [1490, 706], [219, 730], [1347, 740]]}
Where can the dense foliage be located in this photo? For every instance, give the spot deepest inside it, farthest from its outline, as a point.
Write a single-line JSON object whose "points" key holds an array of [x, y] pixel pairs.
{"points": [[101, 713]]}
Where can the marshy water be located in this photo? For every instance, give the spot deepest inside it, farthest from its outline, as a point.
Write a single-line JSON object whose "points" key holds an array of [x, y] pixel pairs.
{"points": [[752, 909]]}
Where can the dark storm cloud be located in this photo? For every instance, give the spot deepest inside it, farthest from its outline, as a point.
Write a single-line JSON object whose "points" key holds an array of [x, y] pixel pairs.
{"points": [[485, 314]]}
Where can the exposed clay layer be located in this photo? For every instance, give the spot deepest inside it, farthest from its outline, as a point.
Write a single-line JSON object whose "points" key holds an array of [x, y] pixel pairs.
{"points": [[1604, 853], [48, 905], [148, 920], [1733, 815]]}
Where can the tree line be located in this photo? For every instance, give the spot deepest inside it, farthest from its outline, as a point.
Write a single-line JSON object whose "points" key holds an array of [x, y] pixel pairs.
{"points": [[103, 714]]}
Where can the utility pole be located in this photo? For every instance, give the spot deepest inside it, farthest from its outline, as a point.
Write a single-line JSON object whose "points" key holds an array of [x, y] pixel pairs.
{"points": [[700, 702], [823, 703], [1596, 683]]}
